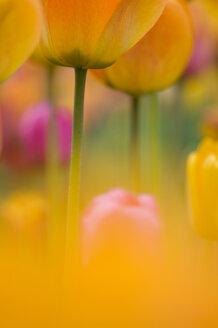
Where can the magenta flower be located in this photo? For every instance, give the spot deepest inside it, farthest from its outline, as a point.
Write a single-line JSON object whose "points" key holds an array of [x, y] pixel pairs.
{"points": [[33, 133], [123, 222]]}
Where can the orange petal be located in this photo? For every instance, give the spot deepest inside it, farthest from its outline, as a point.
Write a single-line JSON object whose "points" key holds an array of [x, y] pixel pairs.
{"points": [[159, 58], [94, 33]]}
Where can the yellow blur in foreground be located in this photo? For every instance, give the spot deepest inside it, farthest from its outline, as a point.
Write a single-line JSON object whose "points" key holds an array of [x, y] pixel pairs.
{"points": [[120, 286], [203, 189], [120, 296], [20, 28]]}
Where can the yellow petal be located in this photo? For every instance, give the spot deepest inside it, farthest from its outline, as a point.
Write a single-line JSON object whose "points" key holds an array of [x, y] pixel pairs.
{"points": [[159, 59], [20, 26], [129, 23], [209, 220], [202, 170]]}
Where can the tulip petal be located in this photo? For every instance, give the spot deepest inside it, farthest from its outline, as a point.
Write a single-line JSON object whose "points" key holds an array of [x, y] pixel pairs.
{"points": [[129, 23], [203, 189], [210, 192], [159, 58], [73, 28], [94, 33], [20, 22]]}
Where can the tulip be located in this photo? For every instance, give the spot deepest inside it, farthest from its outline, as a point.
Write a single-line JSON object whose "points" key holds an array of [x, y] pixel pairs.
{"points": [[90, 34], [20, 33], [203, 189], [25, 145], [33, 131], [94, 34], [155, 63], [158, 60], [121, 222]]}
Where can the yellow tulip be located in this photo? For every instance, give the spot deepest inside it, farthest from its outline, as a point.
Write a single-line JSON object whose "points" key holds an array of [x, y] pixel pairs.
{"points": [[158, 60], [95, 33], [203, 189], [20, 27]]}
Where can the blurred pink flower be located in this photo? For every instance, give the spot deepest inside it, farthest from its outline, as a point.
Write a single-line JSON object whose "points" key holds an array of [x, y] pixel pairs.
{"points": [[33, 132], [204, 48], [122, 222], [28, 138]]}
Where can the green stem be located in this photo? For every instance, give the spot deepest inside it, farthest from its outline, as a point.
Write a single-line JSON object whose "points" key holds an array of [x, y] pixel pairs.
{"points": [[72, 234], [135, 145], [177, 117], [53, 170], [155, 143]]}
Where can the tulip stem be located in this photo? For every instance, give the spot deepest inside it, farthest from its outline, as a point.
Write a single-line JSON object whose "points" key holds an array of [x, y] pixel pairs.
{"points": [[135, 145], [53, 172], [154, 143], [72, 233]]}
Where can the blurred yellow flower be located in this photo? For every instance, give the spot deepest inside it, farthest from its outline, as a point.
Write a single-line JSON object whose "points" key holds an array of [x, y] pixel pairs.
{"points": [[203, 189], [24, 211], [20, 27]]}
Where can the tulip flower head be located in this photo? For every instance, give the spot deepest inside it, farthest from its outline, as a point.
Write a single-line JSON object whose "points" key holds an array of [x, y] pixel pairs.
{"points": [[33, 131], [121, 221], [25, 142], [203, 189], [158, 60], [95, 33], [20, 30]]}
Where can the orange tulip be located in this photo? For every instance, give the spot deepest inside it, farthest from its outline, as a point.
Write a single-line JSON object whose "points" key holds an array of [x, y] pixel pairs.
{"points": [[20, 27], [95, 33], [158, 60]]}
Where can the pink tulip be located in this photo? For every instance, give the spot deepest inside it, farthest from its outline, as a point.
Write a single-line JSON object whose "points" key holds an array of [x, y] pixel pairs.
{"points": [[204, 49], [33, 133], [121, 223]]}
